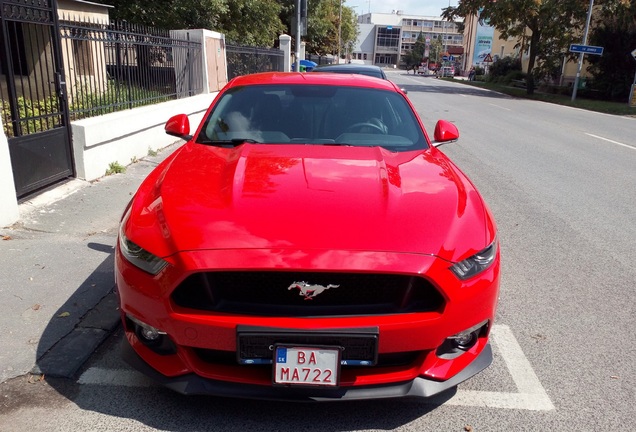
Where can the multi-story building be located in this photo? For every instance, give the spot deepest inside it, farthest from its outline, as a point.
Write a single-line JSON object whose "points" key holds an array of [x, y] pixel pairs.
{"points": [[385, 38]]}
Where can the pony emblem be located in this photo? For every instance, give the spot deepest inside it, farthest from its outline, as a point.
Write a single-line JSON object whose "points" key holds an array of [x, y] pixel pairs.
{"points": [[310, 291]]}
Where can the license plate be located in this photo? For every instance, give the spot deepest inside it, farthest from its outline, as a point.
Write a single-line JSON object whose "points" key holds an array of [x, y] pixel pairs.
{"points": [[306, 366]]}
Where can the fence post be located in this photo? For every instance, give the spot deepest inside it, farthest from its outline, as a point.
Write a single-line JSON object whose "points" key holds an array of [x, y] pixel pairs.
{"points": [[9, 213], [285, 46]]}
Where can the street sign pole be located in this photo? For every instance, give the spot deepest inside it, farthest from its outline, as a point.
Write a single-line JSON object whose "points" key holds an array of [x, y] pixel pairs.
{"points": [[297, 52], [581, 55]]}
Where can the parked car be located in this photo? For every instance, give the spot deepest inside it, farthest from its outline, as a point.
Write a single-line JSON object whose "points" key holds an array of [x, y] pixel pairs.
{"points": [[308, 242], [446, 71], [356, 69], [352, 68]]}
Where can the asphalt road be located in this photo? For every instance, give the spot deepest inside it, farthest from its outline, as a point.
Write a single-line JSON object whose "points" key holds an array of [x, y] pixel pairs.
{"points": [[561, 183]]}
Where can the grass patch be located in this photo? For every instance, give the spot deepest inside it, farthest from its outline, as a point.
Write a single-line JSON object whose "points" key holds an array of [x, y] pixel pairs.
{"points": [[115, 168], [606, 107]]}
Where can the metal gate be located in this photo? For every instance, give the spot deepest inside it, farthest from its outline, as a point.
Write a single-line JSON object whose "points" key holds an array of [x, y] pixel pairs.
{"points": [[32, 87]]}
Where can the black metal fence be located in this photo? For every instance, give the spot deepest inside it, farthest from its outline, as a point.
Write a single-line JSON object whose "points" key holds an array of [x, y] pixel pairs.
{"points": [[115, 66], [319, 59], [243, 60]]}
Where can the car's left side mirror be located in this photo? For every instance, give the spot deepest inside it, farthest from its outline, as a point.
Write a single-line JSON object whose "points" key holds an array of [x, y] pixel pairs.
{"points": [[445, 132], [179, 126]]}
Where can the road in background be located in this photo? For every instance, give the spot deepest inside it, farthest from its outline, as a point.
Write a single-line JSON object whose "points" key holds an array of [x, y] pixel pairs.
{"points": [[561, 183]]}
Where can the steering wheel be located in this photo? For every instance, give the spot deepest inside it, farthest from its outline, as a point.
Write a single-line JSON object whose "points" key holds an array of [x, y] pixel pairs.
{"points": [[375, 125]]}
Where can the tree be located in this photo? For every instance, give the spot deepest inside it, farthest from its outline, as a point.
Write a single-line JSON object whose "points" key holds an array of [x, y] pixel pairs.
{"points": [[249, 22], [322, 27], [416, 55], [615, 31], [542, 27]]}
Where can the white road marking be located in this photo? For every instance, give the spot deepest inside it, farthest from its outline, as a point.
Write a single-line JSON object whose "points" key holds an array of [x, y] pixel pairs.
{"points": [[499, 106], [531, 395], [610, 141]]}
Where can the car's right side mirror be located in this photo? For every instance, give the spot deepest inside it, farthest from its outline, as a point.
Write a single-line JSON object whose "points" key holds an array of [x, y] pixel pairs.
{"points": [[445, 132]]}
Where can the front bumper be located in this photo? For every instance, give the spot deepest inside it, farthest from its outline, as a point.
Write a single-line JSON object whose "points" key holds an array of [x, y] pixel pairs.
{"points": [[192, 384]]}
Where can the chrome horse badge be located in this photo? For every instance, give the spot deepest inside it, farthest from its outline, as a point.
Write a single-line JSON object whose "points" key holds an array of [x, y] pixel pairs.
{"points": [[310, 291]]}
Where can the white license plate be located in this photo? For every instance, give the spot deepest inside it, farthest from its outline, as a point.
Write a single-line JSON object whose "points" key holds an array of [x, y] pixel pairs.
{"points": [[307, 366]]}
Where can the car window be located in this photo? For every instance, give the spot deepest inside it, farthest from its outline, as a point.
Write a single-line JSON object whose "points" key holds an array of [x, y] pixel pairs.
{"points": [[313, 114]]}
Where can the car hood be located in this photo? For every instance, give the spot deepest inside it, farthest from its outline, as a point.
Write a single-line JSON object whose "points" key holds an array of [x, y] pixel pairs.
{"points": [[308, 197]]}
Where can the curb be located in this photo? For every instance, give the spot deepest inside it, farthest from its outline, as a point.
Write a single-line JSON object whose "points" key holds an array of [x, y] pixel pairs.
{"points": [[70, 353]]}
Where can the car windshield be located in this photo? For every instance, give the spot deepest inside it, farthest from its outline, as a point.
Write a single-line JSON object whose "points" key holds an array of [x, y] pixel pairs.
{"points": [[313, 114]]}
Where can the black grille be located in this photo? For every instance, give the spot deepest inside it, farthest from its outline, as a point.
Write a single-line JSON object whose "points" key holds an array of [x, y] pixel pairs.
{"points": [[269, 294], [359, 346]]}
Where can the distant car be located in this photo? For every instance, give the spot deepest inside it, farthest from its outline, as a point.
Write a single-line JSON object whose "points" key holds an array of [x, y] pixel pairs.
{"points": [[356, 69], [351, 68], [446, 71], [308, 242]]}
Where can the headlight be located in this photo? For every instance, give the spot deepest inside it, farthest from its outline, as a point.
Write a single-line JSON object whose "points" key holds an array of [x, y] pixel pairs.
{"points": [[138, 256], [477, 263]]}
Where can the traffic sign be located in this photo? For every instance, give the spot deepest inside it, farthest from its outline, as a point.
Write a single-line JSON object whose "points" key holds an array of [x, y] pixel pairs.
{"points": [[488, 59], [586, 49], [634, 54]]}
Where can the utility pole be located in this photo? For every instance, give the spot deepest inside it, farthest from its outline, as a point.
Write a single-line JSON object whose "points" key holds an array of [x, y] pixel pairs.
{"points": [[297, 52], [581, 55], [339, 29]]}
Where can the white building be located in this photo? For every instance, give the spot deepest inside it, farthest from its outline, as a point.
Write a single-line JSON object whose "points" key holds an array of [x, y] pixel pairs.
{"points": [[384, 37]]}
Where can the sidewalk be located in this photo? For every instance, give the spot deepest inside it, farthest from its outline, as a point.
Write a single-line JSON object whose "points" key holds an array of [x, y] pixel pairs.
{"points": [[57, 300]]}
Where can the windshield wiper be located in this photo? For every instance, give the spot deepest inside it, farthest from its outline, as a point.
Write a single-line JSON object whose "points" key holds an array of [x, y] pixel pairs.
{"points": [[232, 142]]}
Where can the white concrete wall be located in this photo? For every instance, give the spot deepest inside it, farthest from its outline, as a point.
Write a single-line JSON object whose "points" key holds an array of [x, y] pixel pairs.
{"points": [[9, 204], [128, 135]]}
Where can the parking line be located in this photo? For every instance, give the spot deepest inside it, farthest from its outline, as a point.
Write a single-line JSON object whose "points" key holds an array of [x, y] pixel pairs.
{"points": [[530, 396]]}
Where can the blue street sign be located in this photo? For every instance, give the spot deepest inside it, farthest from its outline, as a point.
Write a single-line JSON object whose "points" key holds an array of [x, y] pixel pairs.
{"points": [[586, 49], [445, 58]]}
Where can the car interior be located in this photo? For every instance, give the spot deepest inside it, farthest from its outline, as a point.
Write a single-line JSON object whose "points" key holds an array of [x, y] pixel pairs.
{"points": [[313, 114]]}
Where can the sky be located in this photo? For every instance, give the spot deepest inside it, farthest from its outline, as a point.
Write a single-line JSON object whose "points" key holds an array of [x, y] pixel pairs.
{"points": [[431, 8]]}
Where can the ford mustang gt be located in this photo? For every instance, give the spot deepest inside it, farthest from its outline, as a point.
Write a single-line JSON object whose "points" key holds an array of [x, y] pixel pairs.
{"points": [[308, 242]]}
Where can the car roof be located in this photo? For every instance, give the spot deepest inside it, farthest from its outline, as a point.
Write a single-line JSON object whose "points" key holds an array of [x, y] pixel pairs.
{"points": [[351, 68], [295, 78]]}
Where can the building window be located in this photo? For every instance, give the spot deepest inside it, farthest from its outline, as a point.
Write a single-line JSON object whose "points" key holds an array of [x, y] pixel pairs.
{"points": [[364, 56], [388, 38]]}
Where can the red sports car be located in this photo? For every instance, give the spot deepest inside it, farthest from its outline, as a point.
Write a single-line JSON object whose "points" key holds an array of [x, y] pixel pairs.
{"points": [[308, 242]]}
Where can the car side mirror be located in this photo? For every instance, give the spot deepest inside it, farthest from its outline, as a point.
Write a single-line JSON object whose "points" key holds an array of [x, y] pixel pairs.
{"points": [[179, 126], [445, 132]]}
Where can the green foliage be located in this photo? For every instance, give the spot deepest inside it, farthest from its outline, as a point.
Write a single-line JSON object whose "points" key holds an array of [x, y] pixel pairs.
{"points": [[28, 108], [504, 67], [82, 104], [561, 97], [616, 31], [543, 28], [247, 22], [115, 168], [323, 29], [151, 152], [416, 55]]}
